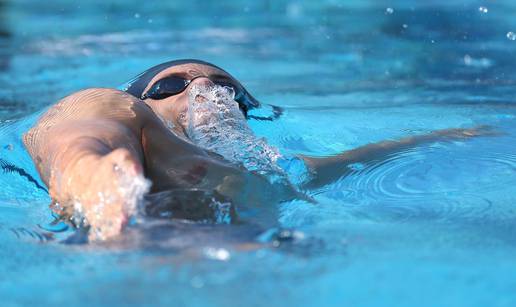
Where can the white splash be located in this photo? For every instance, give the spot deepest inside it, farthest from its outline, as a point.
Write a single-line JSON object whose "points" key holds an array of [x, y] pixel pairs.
{"points": [[214, 253], [215, 122], [111, 211]]}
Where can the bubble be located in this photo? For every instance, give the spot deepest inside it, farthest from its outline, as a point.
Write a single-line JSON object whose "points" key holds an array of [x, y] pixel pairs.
{"points": [[483, 9], [477, 62], [405, 26], [136, 15], [220, 254], [197, 282], [511, 36], [467, 59], [389, 10]]}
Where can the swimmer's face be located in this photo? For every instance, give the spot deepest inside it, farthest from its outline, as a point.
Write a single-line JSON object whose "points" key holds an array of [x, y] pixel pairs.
{"points": [[173, 108]]}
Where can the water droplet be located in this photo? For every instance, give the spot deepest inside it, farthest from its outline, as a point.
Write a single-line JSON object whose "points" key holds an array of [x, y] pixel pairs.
{"points": [[467, 59], [511, 35], [197, 282], [389, 10], [217, 253], [483, 9]]}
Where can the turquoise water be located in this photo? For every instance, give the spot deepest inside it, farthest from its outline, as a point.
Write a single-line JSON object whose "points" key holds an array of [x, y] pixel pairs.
{"points": [[430, 226]]}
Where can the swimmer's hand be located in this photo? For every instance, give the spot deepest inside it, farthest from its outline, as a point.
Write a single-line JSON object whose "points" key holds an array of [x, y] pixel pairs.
{"points": [[464, 133], [103, 191]]}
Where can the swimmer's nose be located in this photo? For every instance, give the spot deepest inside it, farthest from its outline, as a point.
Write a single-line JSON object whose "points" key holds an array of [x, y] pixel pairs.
{"points": [[201, 81]]}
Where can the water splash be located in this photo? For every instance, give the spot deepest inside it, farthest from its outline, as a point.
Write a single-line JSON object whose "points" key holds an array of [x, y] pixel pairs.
{"points": [[216, 123], [106, 217]]}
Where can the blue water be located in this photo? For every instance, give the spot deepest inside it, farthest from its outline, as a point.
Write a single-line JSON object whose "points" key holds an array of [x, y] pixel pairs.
{"points": [[430, 226]]}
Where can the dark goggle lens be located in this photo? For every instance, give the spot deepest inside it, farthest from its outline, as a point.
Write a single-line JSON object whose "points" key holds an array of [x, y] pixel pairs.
{"points": [[166, 87], [174, 85]]}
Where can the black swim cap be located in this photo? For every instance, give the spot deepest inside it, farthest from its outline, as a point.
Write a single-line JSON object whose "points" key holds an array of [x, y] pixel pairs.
{"points": [[137, 85]]}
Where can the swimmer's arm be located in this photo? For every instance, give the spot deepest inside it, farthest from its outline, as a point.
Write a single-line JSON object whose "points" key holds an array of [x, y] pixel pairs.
{"points": [[328, 169], [84, 151]]}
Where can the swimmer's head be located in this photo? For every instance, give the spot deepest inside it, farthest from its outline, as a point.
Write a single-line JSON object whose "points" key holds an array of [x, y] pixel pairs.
{"points": [[166, 89]]}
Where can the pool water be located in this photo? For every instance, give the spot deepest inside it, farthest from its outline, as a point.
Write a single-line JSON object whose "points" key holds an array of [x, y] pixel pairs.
{"points": [[431, 226]]}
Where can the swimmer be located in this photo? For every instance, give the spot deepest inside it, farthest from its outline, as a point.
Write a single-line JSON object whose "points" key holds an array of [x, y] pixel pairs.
{"points": [[181, 127]]}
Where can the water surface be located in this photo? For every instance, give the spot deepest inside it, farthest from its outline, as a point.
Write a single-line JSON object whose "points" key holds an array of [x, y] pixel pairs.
{"points": [[434, 225]]}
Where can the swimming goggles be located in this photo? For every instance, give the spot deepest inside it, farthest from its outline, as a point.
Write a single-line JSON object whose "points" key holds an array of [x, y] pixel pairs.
{"points": [[173, 85]]}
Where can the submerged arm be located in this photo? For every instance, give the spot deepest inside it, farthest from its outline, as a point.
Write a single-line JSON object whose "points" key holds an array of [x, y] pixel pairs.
{"points": [[328, 169]]}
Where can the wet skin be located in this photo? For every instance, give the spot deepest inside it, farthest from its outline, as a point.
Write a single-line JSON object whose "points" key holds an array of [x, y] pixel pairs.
{"points": [[89, 142]]}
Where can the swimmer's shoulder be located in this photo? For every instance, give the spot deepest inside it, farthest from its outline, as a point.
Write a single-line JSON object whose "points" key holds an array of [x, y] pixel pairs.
{"points": [[92, 104], [97, 101], [95, 104]]}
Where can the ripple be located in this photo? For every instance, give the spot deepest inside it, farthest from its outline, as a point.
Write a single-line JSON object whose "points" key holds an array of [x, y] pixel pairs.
{"points": [[439, 183], [23, 233]]}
